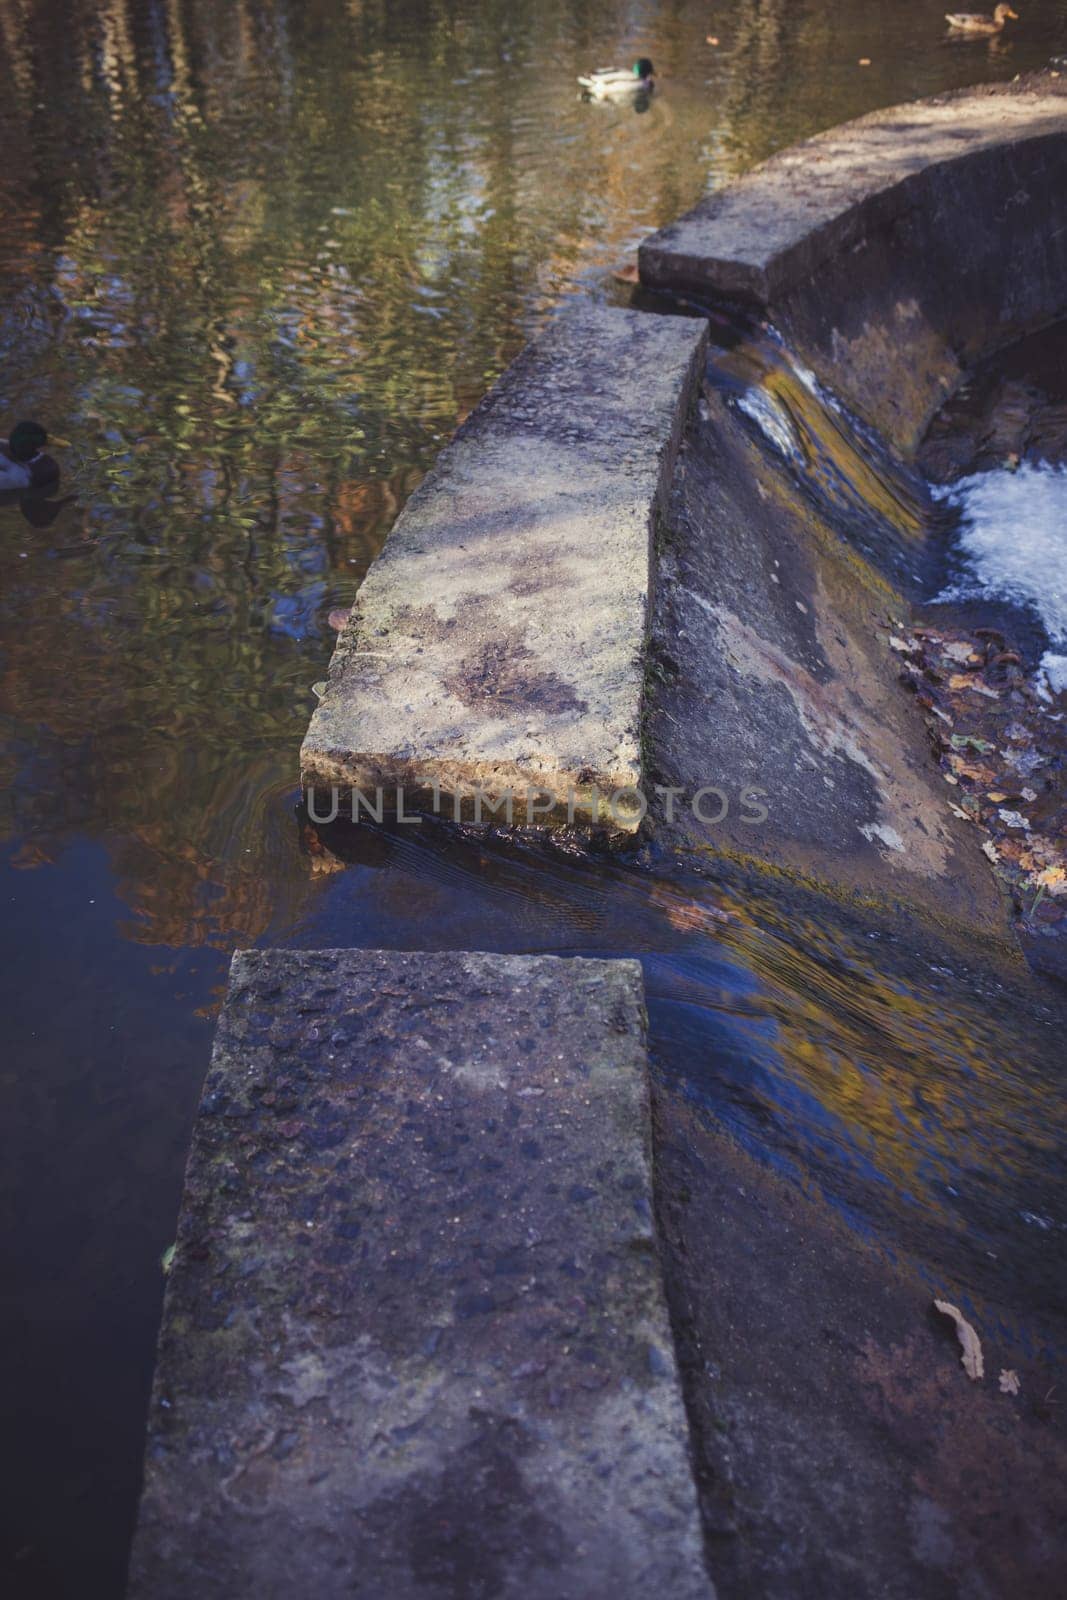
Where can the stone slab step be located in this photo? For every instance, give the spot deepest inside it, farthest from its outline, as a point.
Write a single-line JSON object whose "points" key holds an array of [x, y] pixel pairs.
{"points": [[498, 642], [415, 1342]]}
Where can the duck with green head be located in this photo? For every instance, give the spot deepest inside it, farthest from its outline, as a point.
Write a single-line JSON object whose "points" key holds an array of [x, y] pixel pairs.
{"points": [[616, 83], [23, 463]]}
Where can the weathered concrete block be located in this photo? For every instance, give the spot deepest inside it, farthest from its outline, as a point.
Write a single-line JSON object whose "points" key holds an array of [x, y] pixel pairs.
{"points": [[894, 250], [498, 640], [415, 1342]]}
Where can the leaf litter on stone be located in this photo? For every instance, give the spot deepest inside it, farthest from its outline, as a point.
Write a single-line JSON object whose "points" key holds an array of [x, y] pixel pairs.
{"points": [[970, 1345]]}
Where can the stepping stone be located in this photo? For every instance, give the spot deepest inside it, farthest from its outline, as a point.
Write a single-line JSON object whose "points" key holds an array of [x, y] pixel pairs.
{"points": [[415, 1341], [498, 642]]}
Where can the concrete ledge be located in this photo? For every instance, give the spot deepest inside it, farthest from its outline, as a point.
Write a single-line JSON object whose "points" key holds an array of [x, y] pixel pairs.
{"points": [[415, 1341], [895, 250], [498, 640]]}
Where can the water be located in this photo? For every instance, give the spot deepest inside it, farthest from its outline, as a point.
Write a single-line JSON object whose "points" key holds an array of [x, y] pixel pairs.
{"points": [[256, 262], [1013, 544]]}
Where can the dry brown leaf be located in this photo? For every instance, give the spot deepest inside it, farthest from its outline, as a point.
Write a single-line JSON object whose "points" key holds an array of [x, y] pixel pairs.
{"points": [[960, 680], [1054, 879], [338, 618], [1009, 1381], [627, 274], [972, 770], [971, 1358], [989, 849]]}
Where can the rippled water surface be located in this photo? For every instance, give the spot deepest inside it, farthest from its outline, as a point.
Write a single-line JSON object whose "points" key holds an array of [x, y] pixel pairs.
{"points": [[257, 260]]}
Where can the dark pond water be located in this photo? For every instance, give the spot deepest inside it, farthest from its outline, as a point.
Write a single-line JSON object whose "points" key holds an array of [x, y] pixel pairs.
{"points": [[257, 260]]}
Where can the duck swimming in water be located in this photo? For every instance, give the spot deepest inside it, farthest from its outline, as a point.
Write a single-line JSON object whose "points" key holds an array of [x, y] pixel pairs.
{"points": [[977, 22], [615, 83], [23, 464]]}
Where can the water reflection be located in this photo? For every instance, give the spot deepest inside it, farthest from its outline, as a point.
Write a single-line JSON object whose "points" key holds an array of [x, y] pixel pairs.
{"points": [[881, 1067], [256, 262]]}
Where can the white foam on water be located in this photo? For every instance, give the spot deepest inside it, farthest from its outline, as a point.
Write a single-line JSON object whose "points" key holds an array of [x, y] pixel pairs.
{"points": [[1014, 540]]}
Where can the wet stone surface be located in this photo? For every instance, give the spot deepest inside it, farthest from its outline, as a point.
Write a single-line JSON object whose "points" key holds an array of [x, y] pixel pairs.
{"points": [[415, 1341], [770, 647]]}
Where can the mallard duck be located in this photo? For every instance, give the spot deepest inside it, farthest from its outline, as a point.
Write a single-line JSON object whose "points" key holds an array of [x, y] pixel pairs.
{"points": [[23, 464], [609, 83], [978, 21]]}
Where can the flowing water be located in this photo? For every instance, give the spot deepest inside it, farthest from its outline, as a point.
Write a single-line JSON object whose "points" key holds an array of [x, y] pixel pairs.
{"points": [[257, 261]]}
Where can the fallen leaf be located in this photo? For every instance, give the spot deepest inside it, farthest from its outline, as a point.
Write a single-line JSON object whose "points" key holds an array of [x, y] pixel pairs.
{"points": [[325, 863], [319, 689], [166, 1260], [865, 61], [1013, 819], [963, 741], [711, 39], [1054, 879], [1009, 1381], [973, 1365], [338, 618], [989, 849], [973, 770], [957, 651], [627, 274]]}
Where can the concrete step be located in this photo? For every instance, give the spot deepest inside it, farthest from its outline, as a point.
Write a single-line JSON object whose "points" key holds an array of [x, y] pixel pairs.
{"points": [[415, 1341], [498, 642]]}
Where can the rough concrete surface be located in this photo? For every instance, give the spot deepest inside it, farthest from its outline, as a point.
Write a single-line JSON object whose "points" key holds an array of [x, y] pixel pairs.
{"points": [[498, 640], [415, 1341], [894, 250]]}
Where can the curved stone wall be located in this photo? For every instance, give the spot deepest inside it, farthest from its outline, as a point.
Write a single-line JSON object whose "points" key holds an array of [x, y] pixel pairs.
{"points": [[896, 250], [500, 644]]}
